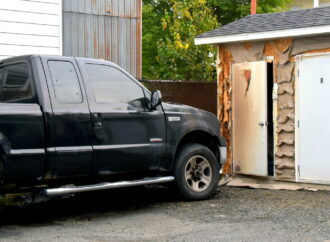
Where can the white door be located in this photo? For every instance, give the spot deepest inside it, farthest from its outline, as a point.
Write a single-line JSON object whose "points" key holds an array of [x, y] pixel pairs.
{"points": [[313, 118], [249, 99]]}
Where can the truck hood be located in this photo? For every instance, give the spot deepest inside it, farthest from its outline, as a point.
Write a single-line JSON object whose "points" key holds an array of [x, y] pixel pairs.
{"points": [[193, 116]]}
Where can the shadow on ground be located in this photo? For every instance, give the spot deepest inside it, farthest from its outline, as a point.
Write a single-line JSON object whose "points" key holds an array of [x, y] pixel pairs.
{"points": [[22, 210]]}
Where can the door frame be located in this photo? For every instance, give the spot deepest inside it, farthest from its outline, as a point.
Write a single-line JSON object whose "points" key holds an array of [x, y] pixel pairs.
{"points": [[232, 120], [54, 150], [298, 59]]}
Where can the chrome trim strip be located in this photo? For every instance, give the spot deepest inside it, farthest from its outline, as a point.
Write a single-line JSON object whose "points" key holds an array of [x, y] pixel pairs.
{"points": [[107, 185], [110, 147], [156, 140], [174, 119], [18, 112], [70, 148], [96, 147], [26, 151], [78, 148], [51, 149], [177, 113], [111, 111]]}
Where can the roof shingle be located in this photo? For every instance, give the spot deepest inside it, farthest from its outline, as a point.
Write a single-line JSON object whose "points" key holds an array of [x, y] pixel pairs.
{"points": [[313, 17]]}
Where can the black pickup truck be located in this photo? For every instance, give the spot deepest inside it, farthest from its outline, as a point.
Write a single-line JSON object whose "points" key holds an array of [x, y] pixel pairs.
{"points": [[88, 123]]}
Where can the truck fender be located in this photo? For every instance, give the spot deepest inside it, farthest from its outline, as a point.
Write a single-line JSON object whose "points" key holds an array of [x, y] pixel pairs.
{"points": [[192, 126]]}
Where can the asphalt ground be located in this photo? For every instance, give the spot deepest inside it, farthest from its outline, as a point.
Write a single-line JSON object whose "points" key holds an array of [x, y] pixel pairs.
{"points": [[159, 214]]}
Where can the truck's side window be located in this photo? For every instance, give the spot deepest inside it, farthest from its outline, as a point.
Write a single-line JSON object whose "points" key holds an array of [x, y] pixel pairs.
{"points": [[110, 85], [16, 84], [65, 81]]}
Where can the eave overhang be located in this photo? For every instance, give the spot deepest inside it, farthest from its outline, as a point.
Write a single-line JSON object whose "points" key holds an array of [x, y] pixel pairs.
{"points": [[278, 34]]}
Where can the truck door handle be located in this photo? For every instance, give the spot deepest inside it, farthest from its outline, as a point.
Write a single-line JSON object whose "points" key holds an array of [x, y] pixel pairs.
{"points": [[261, 124]]}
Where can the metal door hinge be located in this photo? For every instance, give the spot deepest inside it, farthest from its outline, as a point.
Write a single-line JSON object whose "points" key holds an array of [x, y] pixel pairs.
{"points": [[298, 169], [298, 124]]}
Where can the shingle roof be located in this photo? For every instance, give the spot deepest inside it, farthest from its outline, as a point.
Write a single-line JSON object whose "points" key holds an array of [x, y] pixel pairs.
{"points": [[313, 17]]}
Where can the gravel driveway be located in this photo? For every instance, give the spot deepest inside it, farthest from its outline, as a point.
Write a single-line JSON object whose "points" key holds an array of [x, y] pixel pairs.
{"points": [[157, 214]]}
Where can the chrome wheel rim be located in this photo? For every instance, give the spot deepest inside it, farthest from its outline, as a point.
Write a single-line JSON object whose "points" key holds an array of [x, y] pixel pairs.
{"points": [[198, 173]]}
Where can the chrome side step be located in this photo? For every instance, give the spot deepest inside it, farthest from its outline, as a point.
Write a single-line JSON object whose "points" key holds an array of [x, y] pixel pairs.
{"points": [[106, 185]]}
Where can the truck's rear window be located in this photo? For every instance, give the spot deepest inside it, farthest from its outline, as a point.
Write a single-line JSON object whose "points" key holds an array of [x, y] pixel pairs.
{"points": [[16, 84], [65, 81]]}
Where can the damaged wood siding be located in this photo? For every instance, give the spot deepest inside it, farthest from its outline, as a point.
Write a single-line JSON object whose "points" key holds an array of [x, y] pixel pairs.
{"points": [[284, 123], [285, 118], [224, 101], [283, 52]]}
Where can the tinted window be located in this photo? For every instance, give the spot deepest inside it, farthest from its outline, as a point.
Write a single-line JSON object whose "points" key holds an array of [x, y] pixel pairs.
{"points": [[111, 85], [16, 84], [65, 81]]}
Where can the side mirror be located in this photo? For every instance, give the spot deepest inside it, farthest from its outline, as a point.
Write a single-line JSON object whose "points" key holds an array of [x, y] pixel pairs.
{"points": [[156, 99]]}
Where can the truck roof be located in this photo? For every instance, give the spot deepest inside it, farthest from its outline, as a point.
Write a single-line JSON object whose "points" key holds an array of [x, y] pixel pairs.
{"points": [[27, 57]]}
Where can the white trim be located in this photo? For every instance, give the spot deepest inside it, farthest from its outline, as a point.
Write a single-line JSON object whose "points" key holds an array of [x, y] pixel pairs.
{"points": [[297, 117], [60, 27], [316, 3], [264, 35]]}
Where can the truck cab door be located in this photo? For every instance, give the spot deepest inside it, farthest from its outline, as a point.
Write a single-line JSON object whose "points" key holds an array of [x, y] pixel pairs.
{"points": [[70, 122], [127, 137]]}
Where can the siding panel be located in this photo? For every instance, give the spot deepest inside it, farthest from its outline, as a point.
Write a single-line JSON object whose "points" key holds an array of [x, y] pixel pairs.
{"points": [[30, 27], [33, 18], [104, 29], [14, 50], [30, 6], [29, 40]]}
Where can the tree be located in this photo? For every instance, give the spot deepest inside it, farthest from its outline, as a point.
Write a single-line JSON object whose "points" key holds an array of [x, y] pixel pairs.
{"points": [[178, 57], [230, 10], [169, 29], [153, 12]]}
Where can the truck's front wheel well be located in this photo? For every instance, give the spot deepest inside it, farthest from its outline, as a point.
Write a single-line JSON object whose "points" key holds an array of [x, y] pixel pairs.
{"points": [[200, 137]]}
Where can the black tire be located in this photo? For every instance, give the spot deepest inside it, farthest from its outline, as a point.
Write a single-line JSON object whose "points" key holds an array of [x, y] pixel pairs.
{"points": [[193, 187]]}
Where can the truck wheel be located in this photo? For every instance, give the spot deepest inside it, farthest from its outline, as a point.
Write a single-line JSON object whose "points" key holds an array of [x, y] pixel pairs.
{"points": [[196, 172]]}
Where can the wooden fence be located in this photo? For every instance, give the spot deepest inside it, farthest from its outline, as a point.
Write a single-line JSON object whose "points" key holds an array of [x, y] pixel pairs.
{"points": [[197, 94]]}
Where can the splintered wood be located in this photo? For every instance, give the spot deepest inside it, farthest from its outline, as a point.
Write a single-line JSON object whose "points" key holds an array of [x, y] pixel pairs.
{"points": [[279, 50]]}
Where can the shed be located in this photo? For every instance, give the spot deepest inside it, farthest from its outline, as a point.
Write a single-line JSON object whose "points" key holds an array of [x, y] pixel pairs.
{"points": [[274, 92], [101, 29]]}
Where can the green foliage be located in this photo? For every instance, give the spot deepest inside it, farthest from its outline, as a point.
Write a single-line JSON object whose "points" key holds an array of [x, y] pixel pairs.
{"points": [[230, 10], [178, 57], [152, 32], [169, 28]]}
